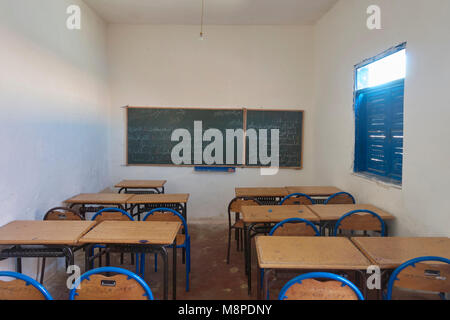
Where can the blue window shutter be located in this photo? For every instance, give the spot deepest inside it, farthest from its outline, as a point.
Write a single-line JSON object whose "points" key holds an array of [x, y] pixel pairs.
{"points": [[396, 136], [379, 130]]}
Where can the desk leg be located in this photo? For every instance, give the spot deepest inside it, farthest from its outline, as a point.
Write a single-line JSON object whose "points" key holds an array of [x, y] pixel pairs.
{"points": [[19, 265], [174, 271], [184, 214], [245, 249], [87, 258], [166, 272], [259, 283], [68, 252], [249, 258], [362, 282]]}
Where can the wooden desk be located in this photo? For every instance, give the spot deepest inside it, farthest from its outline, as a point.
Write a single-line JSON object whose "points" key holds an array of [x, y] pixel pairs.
{"points": [[275, 214], [330, 213], [147, 202], [319, 193], [155, 185], [57, 237], [308, 253], [137, 237], [391, 252], [261, 192], [44, 232], [99, 200], [133, 232], [252, 215], [267, 196]]}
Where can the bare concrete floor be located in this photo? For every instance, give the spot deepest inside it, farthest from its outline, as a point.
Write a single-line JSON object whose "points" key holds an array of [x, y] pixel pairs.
{"points": [[211, 277]]}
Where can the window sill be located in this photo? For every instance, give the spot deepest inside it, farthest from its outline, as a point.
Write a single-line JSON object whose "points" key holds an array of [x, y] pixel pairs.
{"points": [[379, 180]]}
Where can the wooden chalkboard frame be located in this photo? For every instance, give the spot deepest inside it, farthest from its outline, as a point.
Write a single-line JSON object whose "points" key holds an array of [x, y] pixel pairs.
{"points": [[244, 165], [282, 110]]}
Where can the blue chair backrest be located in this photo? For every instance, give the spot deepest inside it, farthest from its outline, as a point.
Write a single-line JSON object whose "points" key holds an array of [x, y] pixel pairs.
{"points": [[294, 220], [319, 275], [297, 195], [348, 214], [129, 274], [28, 281], [171, 211], [412, 262], [123, 212], [334, 196]]}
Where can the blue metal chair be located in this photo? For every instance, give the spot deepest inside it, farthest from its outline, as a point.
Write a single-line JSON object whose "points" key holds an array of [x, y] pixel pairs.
{"points": [[23, 292], [280, 225], [185, 240], [99, 216], [235, 206], [60, 214], [422, 279], [295, 220], [112, 214], [340, 198], [343, 292], [297, 199], [350, 215], [94, 286]]}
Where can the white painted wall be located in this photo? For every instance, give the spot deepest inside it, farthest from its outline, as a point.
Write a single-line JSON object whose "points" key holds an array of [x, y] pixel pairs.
{"points": [[422, 205], [54, 107], [237, 66]]}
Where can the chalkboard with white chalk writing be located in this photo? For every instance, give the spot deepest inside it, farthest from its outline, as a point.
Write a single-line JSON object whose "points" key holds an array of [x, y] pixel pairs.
{"points": [[268, 124], [214, 137], [150, 132]]}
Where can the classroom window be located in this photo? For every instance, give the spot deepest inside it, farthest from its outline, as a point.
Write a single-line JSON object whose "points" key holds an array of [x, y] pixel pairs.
{"points": [[379, 96]]}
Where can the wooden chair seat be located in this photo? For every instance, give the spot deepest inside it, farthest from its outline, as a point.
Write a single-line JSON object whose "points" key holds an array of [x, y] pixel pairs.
{"points": [[239, 224], [62, 214], [161, 216], [295, 229], [181, 238], [358, 222], [19, 290], [295, 201], [117, 287], [433, 277], [237, 204], [341, 199], [111, 216], [311, 289]]}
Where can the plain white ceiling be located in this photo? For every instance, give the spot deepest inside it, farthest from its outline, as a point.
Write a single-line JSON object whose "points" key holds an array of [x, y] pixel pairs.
{"points": [[220, 12]]}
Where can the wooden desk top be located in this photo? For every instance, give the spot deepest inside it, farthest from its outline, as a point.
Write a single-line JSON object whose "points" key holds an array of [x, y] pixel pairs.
{"points": [[253, 214], [315, 253], [133, 232], [158, 198], [261, 192], [99, 198], [390, 252], [44, 232], [141, 184], [314, 191], [331, 212]]}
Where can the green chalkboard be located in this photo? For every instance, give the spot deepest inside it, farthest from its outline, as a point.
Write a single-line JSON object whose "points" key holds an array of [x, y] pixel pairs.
{"points": [[290, 126], [149, 134]]}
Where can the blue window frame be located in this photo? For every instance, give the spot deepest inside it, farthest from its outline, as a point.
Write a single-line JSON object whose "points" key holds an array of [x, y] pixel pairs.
{"points": [[379, 96]]}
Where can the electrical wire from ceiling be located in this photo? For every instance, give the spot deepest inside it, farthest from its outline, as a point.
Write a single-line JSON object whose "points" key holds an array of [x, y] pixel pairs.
{"points": [[202, 20]]}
